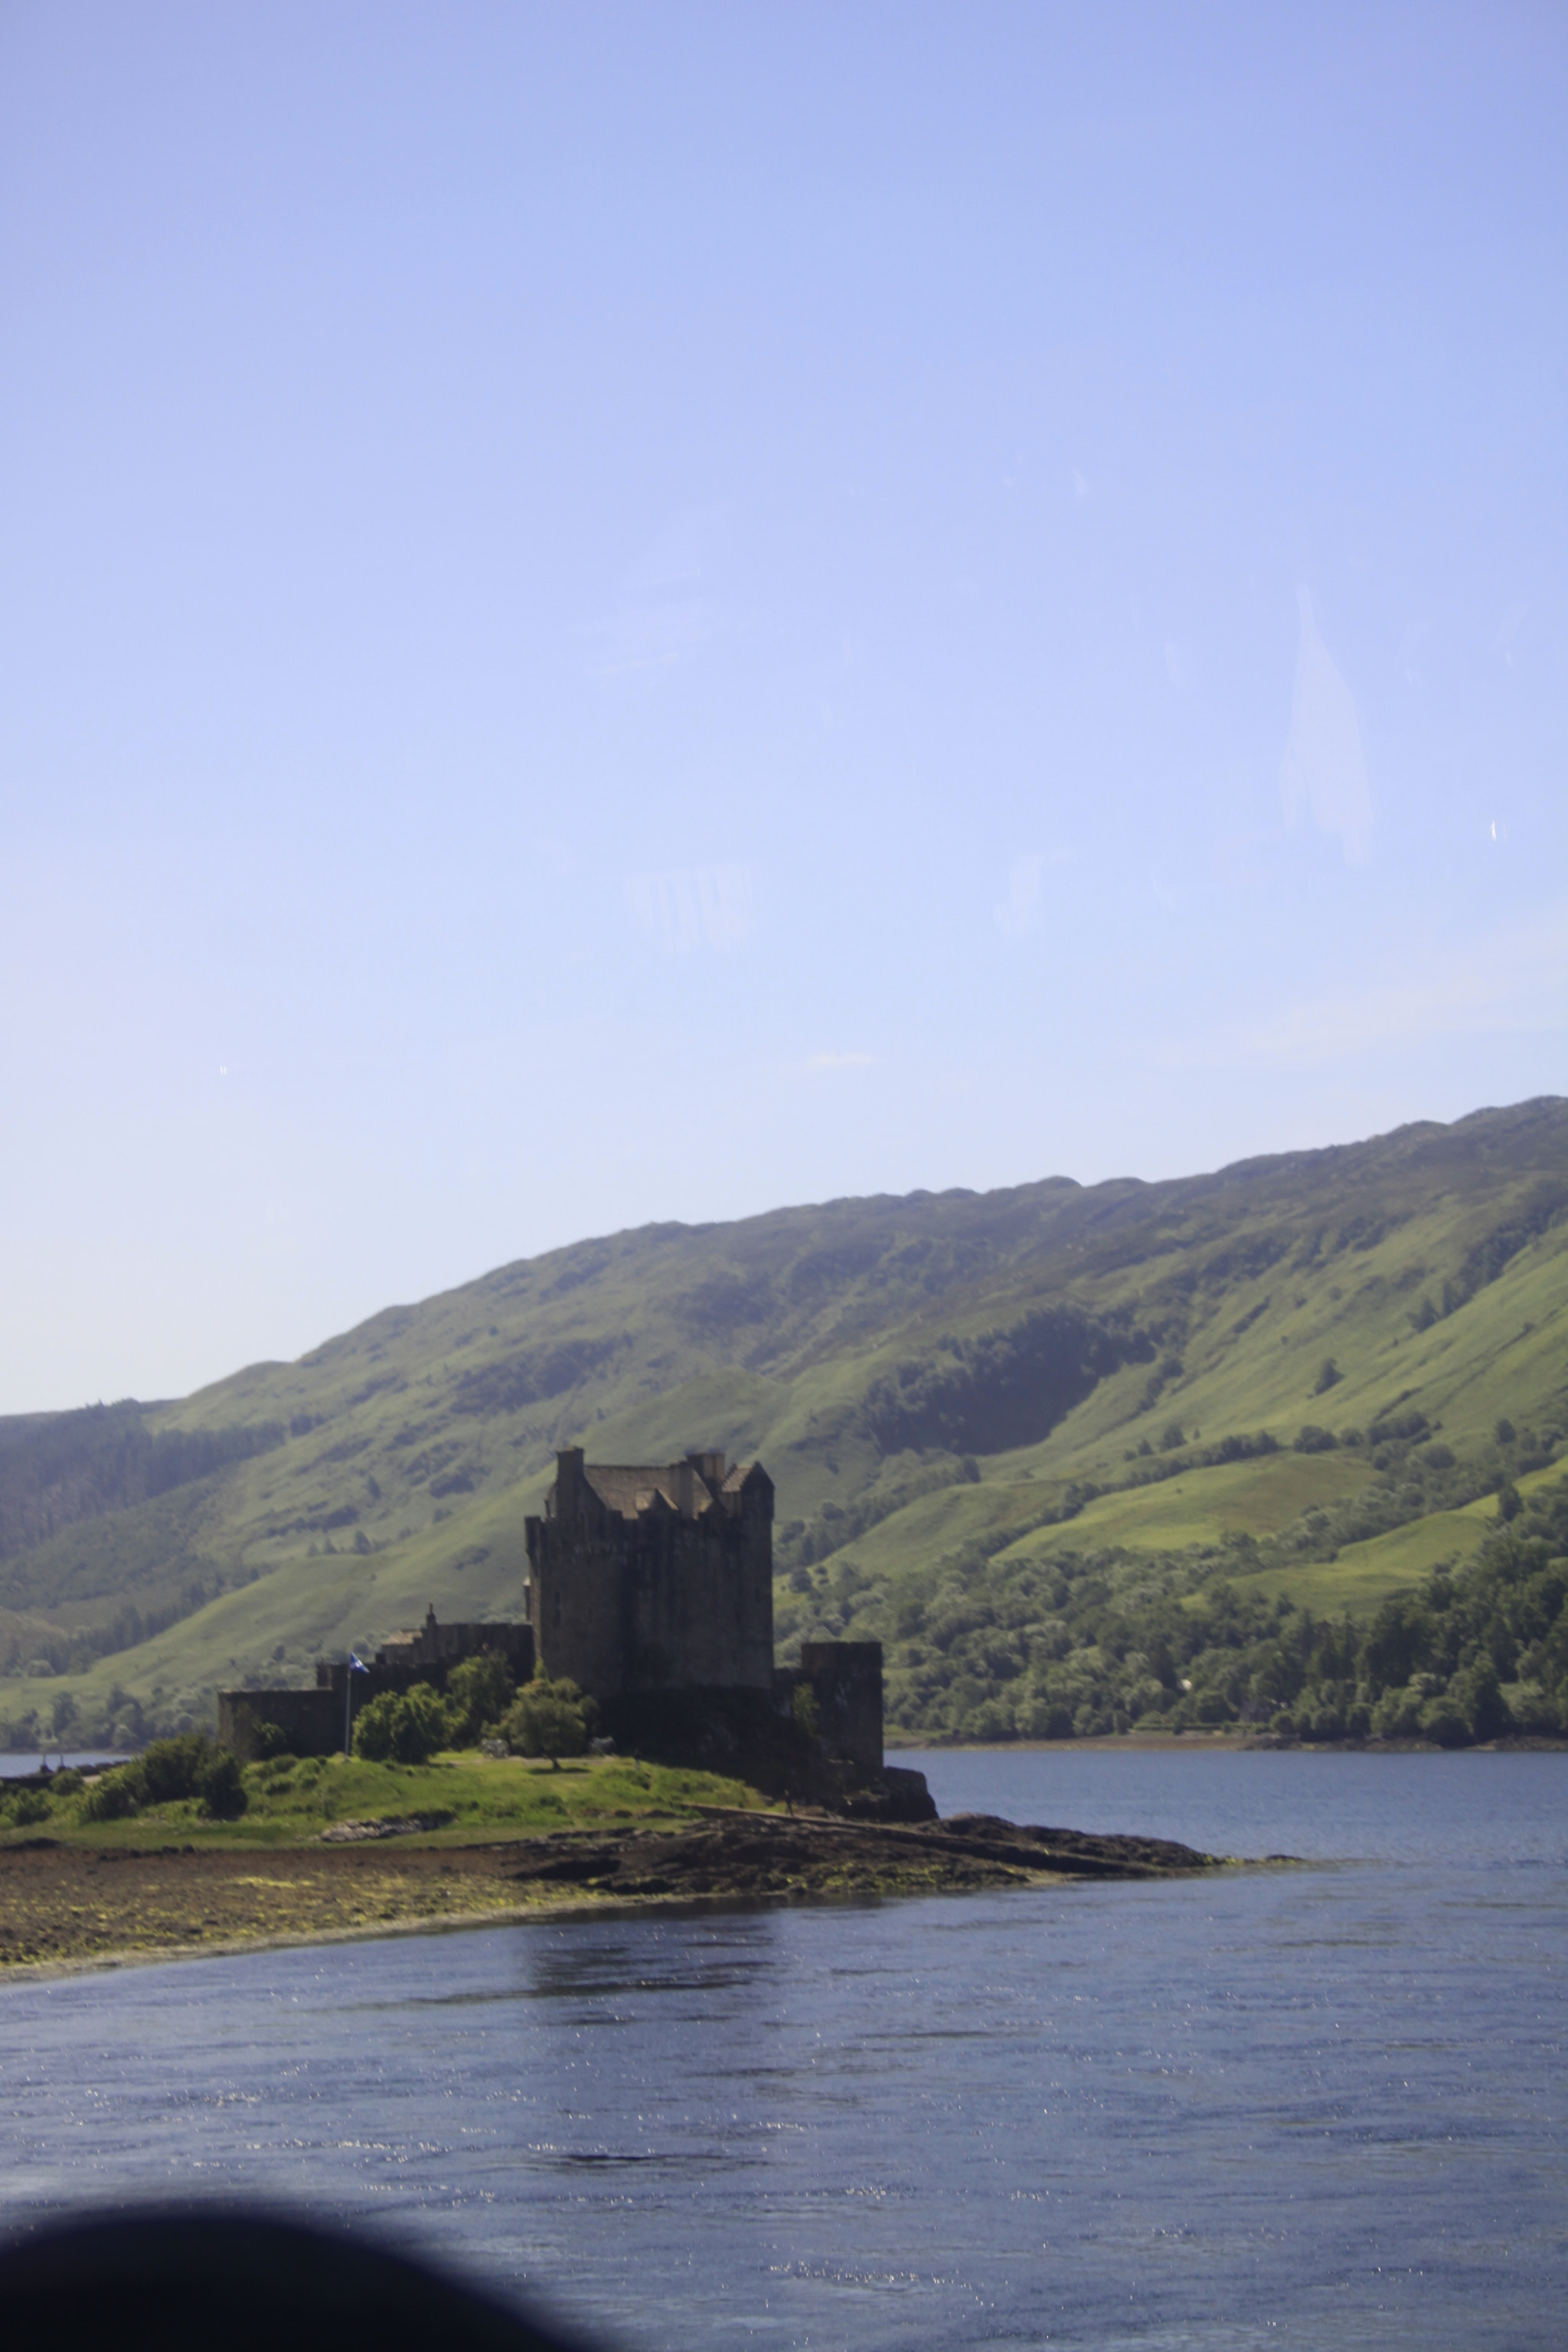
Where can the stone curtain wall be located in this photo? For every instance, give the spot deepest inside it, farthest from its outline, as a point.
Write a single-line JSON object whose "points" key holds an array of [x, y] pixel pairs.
{"points": [[845, 1679], [311, 1721]]}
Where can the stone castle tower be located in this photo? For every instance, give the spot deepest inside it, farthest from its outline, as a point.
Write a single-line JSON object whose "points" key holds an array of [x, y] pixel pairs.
{"points": [[655, 1577]]}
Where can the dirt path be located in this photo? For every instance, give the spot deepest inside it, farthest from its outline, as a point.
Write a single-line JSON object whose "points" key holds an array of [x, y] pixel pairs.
{"points": [[68, 1906]]}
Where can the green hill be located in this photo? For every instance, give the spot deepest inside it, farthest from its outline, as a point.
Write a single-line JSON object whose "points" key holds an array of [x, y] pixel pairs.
{"points": [[996, 1422]]}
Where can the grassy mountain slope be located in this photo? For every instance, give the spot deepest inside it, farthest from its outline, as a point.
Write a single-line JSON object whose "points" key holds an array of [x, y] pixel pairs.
{"points": [[947, 1389]]}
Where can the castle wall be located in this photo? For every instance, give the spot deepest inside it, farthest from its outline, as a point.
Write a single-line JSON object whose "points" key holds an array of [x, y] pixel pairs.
{"points": [[311, 1721], [845, 1679], [444, 1645], [576, 1604]]}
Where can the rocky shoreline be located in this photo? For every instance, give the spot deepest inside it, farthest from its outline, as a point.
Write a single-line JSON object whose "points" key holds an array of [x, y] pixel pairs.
{"points": [[747, 1853], [72, 1906]]}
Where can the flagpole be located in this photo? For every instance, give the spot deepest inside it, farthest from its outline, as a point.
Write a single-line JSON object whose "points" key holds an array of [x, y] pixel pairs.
{"points": [[356, 1665]]}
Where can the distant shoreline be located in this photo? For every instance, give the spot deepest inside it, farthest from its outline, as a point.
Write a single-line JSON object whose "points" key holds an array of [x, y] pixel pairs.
{"points": [[1122, 1743], [1217, 1743]]}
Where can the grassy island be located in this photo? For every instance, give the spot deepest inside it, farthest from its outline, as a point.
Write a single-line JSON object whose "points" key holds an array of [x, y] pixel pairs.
{"points": [[329, 1848]]}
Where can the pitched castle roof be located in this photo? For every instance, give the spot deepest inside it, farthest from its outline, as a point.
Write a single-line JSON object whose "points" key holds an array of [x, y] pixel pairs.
{"points": [[633, 1487], [630, 1487]]}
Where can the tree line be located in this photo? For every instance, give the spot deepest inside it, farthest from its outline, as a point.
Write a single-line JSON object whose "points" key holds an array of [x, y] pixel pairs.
{"points": [[1083, 1644]]}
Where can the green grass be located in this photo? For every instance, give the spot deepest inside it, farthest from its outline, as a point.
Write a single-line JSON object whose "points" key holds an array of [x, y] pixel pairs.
{"points": [[291, 1802], [1205, 1506], [1363, 1574]]}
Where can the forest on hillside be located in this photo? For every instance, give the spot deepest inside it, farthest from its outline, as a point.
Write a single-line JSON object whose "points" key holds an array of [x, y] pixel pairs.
{"points": [[991, 1645], [1088, 1647]]}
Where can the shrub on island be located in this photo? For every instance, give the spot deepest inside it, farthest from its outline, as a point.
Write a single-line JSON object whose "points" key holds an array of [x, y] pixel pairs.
{"points": [[167, 1772], [111, 1797], [479, 1693], [552, 1719], [21, 1810], [403, 1726]]}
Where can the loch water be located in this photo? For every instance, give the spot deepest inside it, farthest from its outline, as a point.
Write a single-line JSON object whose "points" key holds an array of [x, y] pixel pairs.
{"points": [[1322, 2103]]}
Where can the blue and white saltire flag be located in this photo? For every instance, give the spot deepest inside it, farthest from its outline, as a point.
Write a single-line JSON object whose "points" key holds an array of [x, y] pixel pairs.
{"points": [[356, 1666]]}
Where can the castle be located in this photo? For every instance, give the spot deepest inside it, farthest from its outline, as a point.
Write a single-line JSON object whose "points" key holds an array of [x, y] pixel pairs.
{"points": [[650, 1585]]}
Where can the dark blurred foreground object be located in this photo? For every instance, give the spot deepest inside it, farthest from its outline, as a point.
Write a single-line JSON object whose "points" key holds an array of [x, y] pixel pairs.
{"points": [[160, 2279]]}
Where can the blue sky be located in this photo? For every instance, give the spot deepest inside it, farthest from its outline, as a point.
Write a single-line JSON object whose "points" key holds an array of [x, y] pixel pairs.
{"points": [[630, 612]]}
